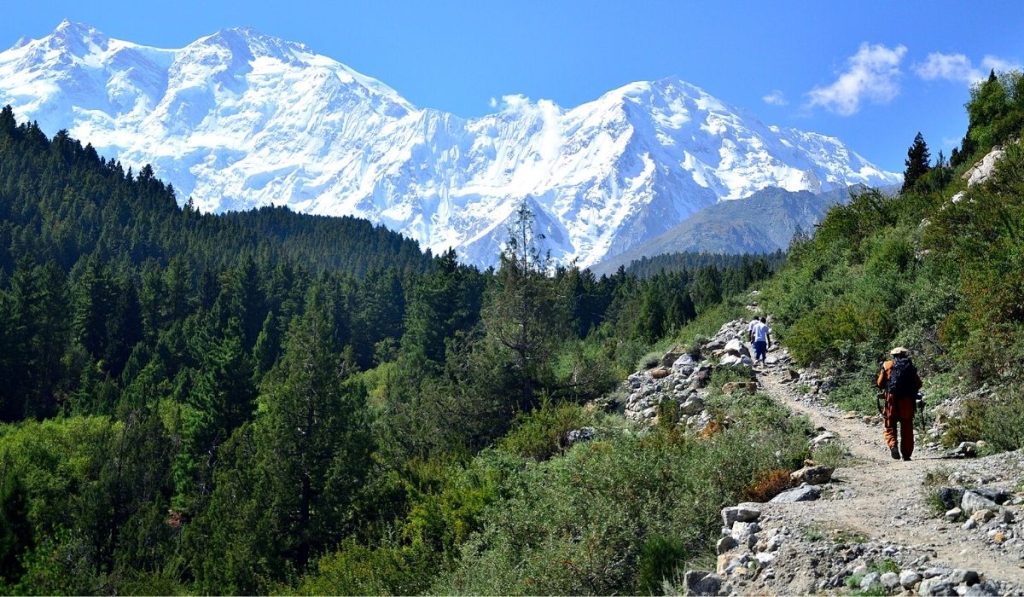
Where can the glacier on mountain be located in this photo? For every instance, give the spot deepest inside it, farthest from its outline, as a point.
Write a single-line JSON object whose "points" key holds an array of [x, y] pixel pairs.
{"points": [[238, 119]]}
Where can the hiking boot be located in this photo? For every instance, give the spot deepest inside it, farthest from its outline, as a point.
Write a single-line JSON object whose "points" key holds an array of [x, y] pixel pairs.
{"points": [[895, 451], [906, 458]]}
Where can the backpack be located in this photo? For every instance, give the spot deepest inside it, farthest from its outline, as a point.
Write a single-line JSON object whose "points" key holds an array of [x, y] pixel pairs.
{"points": [[901, 377]]}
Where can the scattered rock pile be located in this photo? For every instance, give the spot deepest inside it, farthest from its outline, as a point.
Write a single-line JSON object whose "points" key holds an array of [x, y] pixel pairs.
{"points": [[683, 377], [760, 555]]}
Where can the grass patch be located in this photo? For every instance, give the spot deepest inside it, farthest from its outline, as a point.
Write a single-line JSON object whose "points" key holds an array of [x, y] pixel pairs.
{"points": [[831, 454], [936, 476], [813, 534], [848, 536], [886, 565], [935, 503]]}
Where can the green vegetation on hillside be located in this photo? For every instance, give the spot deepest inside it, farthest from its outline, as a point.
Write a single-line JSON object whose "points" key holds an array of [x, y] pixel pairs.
{"points": [[268, 401], [942, 276], [271, 402]]}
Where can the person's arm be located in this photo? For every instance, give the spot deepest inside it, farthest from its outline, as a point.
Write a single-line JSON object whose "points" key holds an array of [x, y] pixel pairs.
{"points": [[880, 382]]}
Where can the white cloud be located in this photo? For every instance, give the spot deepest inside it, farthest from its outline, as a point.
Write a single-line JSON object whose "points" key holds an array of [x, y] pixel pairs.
{"points": [[954, 67], [514, 101], [775, 98], [872, 75], [1000, 65], [493, 103], [959, 68]]}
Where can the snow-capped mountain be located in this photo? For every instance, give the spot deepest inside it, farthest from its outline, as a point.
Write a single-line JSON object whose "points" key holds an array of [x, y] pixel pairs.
{"points": [[239, 119]]}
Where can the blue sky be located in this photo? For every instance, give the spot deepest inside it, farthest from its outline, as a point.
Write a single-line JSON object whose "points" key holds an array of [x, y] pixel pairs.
{"points": [[870, 72]]}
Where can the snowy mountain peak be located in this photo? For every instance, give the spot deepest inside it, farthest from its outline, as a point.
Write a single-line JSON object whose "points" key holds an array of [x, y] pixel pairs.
{"points": [[238, 119]]}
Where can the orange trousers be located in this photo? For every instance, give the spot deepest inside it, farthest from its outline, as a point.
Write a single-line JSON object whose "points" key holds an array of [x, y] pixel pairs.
{"points": [[899, 411]]}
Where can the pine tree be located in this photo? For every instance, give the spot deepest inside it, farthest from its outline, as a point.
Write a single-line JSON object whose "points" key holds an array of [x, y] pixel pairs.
{"points": [[313, 441], [523, 315], [917, 162]]}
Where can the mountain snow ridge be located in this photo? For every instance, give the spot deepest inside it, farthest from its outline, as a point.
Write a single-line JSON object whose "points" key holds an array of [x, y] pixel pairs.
{"points": [[239, 119]]}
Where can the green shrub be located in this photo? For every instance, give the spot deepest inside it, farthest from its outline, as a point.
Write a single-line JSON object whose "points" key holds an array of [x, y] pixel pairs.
{"points": [[359, 570], [578, 523], [660, 559], [541, 433], [998, 420]]}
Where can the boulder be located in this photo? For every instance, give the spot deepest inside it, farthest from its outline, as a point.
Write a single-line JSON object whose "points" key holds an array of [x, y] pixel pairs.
{"points": [[950, 496], [725, 544], [982, 516], [964, 577], [996, 495], [936, 586], [736, 348], [953, 515], [813, 475], [823, 439], [983, 588], [745, 533], [672, 356], [580, 435], [871, 580], [973, 501], [965, 450], [691, 407], [713, 345], [804, 493], [890, 580], [741, 513], [699, 582], [909, 578], [731, 360]]}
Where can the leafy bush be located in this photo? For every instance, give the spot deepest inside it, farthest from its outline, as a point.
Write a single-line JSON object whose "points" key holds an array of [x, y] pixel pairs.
{"points": [[999, 421], [359, 570], [541, 434], [579, 523]]}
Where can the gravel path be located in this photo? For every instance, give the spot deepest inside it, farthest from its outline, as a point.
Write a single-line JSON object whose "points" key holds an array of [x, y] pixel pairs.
{"points": [[885, 499]]}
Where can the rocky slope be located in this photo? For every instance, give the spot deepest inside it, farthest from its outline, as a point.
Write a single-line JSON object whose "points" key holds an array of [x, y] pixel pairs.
{"points": [[239, 119], [937, 525]]}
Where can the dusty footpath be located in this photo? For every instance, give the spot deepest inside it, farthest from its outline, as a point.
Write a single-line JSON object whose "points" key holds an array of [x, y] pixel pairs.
{"points": [[878, 526]]}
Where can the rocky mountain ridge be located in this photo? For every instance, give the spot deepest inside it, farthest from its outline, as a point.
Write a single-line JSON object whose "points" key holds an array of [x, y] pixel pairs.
{"points": [[239, 119]]}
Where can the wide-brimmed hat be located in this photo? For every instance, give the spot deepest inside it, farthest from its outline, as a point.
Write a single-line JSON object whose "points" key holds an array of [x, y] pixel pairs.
{"points": [[899, 351]]}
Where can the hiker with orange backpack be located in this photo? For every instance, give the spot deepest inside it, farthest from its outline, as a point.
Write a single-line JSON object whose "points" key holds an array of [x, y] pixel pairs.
{"points": [[900, 382]]}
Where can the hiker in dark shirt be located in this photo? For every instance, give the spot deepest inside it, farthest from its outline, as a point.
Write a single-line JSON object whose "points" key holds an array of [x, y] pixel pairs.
{"points": [[899, 379]]}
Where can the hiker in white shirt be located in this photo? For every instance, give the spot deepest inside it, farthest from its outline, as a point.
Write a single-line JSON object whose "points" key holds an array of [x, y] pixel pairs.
{"points": [[762, 339]]}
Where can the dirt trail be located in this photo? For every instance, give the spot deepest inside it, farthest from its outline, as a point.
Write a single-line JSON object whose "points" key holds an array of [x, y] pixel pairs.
{"points": [[885, 499]]}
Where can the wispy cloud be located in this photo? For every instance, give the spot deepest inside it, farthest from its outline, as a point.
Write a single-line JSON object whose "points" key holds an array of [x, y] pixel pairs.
{"points": [[959, 68], [775, 98], [493, 103], [872, 74]]}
